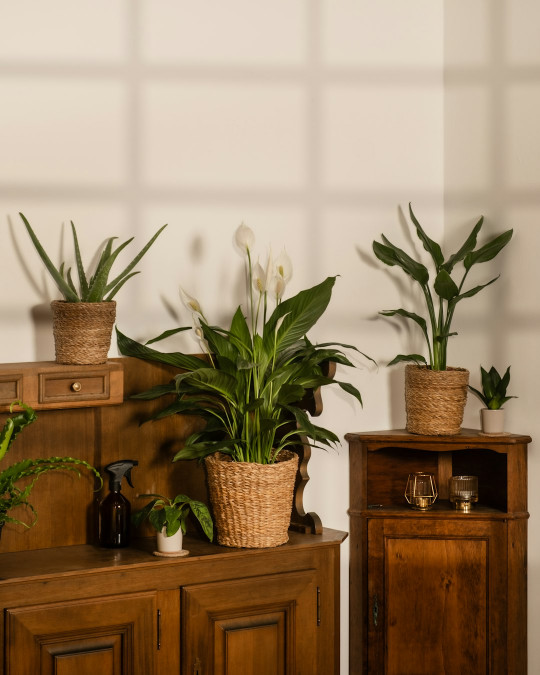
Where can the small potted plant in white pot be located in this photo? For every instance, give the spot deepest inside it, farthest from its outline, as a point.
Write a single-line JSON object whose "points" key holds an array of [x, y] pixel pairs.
{"points": [[435, 393], [84, 319], [168, 518], [493, 396]]}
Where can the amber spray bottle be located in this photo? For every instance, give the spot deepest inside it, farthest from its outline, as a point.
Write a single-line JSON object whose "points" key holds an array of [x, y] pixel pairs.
{"points": [[115, 509]]}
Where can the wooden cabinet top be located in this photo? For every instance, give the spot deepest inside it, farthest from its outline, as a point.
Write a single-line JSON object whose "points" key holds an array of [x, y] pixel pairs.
{"points": [[467, 438]]}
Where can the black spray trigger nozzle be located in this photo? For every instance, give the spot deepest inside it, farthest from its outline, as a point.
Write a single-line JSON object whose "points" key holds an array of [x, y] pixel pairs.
{"points": [[118, 470]]}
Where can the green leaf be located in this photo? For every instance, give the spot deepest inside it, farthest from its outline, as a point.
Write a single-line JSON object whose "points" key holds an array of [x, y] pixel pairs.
{"points": [[416, 358], [470, 293], [467, 247], [63, 286], [413, 268], [444, 286], [297, 315], [135, 260], [408, 315], [129, 347], [429, 245], [80, 268], [200, 511], [168, 333], [488, 251]]}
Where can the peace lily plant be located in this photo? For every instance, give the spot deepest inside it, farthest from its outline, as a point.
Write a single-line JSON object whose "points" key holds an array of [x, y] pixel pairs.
{"points": [[249, 382], [441, 292]]}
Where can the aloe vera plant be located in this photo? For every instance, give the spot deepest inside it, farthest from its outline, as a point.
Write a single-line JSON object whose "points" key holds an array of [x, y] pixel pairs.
{"points": [[95, 288], [493, 394], [443, 294], [11, 495]]}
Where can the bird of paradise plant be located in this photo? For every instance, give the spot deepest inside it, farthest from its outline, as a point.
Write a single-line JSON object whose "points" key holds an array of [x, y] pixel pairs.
{"points": [[11, 495], [249, 382]]}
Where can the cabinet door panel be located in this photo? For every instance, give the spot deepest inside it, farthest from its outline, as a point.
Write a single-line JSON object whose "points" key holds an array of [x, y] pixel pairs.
{"points": [[110, 636], [258, 626], [436, 597]]}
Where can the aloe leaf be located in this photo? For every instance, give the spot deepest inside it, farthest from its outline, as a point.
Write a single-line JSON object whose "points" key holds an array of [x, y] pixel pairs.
{"points": [[63, 286], [467, 247], [80, 268], [98, 287], [135, 260], [119, 286], [445, 286], [429, 245], [488, 251]]}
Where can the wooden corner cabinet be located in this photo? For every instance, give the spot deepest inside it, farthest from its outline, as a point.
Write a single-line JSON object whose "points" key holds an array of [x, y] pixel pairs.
{"points": [[438, 592]]}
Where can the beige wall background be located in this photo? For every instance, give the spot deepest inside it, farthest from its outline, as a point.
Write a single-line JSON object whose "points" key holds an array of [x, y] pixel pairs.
{"points": [[313, 121]]}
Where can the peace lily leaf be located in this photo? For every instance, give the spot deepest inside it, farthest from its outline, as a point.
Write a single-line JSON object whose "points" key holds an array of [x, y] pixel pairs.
{"points": [[169, 333]]}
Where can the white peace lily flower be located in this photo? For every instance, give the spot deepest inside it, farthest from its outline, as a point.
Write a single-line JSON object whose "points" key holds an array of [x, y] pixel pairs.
{"points": [[277, 287], [190, 303], [244, 238], [283, 266], [259, 278], [197, 332]]}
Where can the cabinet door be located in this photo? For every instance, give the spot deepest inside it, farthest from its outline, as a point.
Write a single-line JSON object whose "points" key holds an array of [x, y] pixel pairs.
{"points": [[257, 626], [436, 597], [109, 636]]}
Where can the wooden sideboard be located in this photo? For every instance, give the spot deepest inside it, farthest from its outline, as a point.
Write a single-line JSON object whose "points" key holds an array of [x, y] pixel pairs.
{"points": [[439, 591], [71, 607]]}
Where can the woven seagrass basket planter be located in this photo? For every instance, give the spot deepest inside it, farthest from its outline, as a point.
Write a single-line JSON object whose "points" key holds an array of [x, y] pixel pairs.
{"points": [[435, 400], [252, 503], [82, 331]]}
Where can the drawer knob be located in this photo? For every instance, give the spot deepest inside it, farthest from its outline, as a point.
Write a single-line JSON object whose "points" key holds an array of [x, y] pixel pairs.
{"points": [[76, 386]]}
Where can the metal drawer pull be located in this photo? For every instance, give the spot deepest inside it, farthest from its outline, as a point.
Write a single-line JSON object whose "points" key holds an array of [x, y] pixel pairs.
{"points": [[76, 386], [375, 611]]}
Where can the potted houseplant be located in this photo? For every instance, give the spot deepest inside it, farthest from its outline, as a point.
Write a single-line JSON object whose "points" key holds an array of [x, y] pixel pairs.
{"points": [[246, 386], [168, 518], [83, 320], [436, 393], [11, 494], [493, 396]]}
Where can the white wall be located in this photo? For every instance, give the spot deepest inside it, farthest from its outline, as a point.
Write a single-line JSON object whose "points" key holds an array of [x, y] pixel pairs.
{"points": [[492, 166], [313, 121]]}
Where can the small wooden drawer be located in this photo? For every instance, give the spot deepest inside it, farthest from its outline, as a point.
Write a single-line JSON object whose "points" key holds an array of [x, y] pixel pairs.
{"points": [[48, 386], [11, 388], [74, 386]]}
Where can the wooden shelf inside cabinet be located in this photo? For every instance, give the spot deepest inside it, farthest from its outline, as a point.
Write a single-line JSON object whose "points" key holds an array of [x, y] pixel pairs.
{"points": [[471, 567], [47, 385]]}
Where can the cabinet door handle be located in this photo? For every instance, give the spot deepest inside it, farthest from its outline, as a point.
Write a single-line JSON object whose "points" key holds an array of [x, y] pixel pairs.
{"points": [[375, 611], [197, 667]]}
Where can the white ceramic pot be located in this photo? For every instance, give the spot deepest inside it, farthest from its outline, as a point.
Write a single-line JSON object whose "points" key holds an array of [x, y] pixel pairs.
{"points": [[167, 544], [492, 421]]}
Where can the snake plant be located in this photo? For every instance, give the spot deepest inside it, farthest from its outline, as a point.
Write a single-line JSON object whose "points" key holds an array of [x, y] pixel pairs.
{"points": [[493, 394], [96, 288], [443, 295], [11, 495]]}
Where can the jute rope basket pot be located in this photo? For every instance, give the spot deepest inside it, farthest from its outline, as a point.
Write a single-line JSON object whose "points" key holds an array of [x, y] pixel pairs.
{"points": [[435, 400], [82, 331], [252, 503]]}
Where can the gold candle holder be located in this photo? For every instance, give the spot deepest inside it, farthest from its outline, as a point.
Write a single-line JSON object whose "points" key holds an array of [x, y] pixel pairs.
{"points": [[463, 492], [421, 491]]}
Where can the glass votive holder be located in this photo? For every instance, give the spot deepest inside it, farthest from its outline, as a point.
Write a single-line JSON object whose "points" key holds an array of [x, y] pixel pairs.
{"points": [[421, 491], [463, 492]]}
